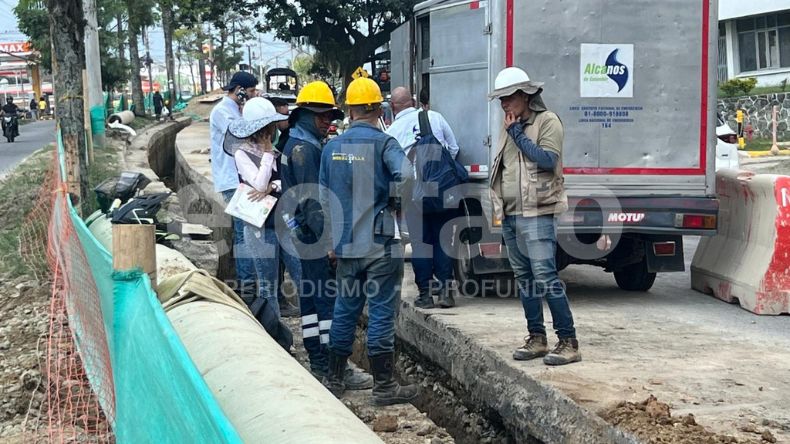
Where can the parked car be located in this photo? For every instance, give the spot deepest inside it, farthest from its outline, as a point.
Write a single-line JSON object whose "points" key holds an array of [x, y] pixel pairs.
{"points": [[727, 155]]}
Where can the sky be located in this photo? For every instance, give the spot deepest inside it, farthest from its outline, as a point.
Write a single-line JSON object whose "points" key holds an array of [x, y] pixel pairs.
{"points": [[272, 48]]}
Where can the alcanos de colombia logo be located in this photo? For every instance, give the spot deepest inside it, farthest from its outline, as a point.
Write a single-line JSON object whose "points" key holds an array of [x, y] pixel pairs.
{"points": [[606, 70]]}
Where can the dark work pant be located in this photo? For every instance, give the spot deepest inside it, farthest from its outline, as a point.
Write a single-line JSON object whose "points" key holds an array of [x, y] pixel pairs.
{"points": [[376, 281], [316, 304], [428, 248]]}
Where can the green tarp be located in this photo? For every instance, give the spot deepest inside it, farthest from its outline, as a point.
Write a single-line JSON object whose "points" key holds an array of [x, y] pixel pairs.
{"points": [[159, 394]]}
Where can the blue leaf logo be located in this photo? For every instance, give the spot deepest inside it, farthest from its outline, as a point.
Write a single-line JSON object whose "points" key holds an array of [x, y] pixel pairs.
{"points": [[616, 70]]}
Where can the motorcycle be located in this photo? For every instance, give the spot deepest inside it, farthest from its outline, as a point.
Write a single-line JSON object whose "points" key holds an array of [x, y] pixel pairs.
{"points": [[10, 128]]}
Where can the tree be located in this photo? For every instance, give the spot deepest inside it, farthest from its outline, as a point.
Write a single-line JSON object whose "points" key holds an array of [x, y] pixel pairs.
{"points": [[331, 26], [166, 8], [140, 15], [67, 29], [33, 21]]}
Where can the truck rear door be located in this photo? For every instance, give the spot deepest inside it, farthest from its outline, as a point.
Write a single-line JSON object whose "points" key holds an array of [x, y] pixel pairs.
{"points": [[452, 63]]}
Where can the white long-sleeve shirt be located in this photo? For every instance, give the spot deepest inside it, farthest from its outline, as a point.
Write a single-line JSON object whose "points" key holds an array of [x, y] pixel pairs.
{"points": [[223, 169], [406, 128], [256, 177]]}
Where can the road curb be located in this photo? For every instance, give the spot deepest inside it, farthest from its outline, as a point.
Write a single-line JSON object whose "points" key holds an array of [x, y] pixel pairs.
{"points": [[528, 408], [756, 154]]}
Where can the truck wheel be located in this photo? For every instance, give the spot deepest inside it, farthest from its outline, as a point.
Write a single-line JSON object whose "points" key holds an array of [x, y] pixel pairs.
{"points": [[635, 277], [468, 284]]}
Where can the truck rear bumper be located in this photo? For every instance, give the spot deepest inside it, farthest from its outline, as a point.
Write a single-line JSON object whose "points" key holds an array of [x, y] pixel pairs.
{"points": [[685, 216]]}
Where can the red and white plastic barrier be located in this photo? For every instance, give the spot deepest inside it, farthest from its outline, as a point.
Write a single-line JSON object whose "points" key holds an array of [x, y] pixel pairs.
{"points": [[749, 259]]}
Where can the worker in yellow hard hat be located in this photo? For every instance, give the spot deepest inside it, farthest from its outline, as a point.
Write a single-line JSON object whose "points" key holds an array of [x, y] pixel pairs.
{"points": [[300, 164], [358, 170]]}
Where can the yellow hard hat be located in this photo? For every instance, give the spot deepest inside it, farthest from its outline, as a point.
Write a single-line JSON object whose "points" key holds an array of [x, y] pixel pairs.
{"points": [[316, 93], [363, 91]]}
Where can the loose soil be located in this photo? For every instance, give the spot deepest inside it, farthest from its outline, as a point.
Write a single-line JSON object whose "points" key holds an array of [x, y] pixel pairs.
{"points": [[652, 421]]}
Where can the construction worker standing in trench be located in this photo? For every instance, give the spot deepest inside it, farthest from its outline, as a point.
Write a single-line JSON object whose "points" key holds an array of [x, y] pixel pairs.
{"points": [[527, 193], [301, 161], [359, 170]]}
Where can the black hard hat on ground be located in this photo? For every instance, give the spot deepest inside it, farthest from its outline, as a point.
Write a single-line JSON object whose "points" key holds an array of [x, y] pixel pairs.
{"points": [[242, 79]]}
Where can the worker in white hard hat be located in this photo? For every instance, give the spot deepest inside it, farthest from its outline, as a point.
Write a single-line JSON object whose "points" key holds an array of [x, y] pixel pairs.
{"points": [[527, 192]]}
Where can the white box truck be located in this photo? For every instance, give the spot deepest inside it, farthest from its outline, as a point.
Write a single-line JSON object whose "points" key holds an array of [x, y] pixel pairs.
{"points": [[634, 85]]}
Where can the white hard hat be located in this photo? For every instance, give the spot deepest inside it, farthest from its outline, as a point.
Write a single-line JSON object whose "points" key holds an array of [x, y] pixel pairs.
{"points": [[513, 79], [509, 77], [258, 108]]}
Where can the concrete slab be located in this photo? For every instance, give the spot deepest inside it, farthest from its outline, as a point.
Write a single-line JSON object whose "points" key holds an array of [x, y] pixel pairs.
{"points": [[700, 355]]}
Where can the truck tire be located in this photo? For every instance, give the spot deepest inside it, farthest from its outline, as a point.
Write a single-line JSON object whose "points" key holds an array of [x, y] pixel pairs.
{"points": [[635, 277]]}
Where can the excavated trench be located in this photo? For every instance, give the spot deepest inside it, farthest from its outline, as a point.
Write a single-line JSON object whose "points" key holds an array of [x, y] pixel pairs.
{"points": [[442, 398]]}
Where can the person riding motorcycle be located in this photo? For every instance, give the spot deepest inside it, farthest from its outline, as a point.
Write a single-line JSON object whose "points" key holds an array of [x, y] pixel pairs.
{"points": [[10, 110]]}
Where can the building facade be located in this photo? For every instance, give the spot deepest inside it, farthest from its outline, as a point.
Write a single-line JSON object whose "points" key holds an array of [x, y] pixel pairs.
{"points": [[754, 40]]}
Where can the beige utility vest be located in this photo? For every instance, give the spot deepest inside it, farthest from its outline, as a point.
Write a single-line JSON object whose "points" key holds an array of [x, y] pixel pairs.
{"points": [[518, 187]]}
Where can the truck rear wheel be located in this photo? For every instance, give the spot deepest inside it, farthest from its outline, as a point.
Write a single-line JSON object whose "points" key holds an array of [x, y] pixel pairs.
{"points": [[635, 277]]}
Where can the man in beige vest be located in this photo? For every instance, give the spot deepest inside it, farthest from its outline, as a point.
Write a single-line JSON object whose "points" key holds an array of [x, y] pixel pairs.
{"points": [[527, 192]]}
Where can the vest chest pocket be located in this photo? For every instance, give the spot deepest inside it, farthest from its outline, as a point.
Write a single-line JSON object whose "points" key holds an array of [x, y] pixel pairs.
{"points": [[546, 187]]}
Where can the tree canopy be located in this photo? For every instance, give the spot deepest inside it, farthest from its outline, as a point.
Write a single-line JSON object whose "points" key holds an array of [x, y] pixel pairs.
{"points": [[345, 33]]}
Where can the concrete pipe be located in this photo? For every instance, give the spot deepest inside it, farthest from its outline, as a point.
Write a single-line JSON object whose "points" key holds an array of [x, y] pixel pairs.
{"points": [[125, 117], [263, 391]]}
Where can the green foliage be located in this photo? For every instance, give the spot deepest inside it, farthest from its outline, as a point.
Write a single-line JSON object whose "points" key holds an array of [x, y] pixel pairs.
{"points": [[33, 21], [738, 87], [345, 33]]}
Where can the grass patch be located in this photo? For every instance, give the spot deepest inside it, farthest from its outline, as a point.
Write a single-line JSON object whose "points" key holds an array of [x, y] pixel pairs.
{"points": [[105, 165], [141, 122], [19, 192], [758, 145]]}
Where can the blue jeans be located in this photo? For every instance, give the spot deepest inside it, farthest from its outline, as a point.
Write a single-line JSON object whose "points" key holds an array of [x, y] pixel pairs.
{"points": [[260, 244], [532, 244], [377, 281], [428, 257], [245, 268]]}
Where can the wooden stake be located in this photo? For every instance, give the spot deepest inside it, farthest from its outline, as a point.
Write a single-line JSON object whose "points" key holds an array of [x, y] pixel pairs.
{"points": [[774, 147], [86, 104], [134, 246]]}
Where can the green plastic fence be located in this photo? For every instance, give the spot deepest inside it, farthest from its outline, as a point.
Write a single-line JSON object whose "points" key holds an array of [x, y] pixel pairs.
{"points": [[160, 395]]}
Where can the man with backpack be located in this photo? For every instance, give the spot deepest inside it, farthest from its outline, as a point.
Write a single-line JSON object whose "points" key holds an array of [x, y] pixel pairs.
{"points": [[429, 247]]}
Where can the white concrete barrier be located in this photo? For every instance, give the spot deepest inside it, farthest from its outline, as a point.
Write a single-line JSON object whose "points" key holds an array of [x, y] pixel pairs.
{"points": [[748, 261]]}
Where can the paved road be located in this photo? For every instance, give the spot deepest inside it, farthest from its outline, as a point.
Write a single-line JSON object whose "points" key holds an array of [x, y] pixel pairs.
{"points": [[699, 354], [32, 137]]}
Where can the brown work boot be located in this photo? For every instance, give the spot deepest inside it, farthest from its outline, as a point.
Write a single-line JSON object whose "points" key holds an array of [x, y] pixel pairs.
{"points": [[565, 352], [535, 346]]}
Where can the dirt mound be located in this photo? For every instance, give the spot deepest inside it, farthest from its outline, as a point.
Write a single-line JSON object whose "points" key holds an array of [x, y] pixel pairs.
{"points": [[652, 421], [197, 109]]}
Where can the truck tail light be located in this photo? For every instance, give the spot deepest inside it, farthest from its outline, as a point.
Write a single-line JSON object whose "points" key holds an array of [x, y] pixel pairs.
{"points": [[491, 249], [695, 221], [664, 248]]}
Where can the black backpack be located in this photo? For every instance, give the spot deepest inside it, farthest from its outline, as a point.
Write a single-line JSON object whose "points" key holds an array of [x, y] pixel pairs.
{"points": [[437, 172]]}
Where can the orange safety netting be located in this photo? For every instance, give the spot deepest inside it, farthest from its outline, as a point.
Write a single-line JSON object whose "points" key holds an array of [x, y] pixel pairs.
{"points": [[79, 401]]}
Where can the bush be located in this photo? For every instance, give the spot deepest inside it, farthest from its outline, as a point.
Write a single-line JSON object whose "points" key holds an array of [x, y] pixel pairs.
{"points": [[738, 87]]}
